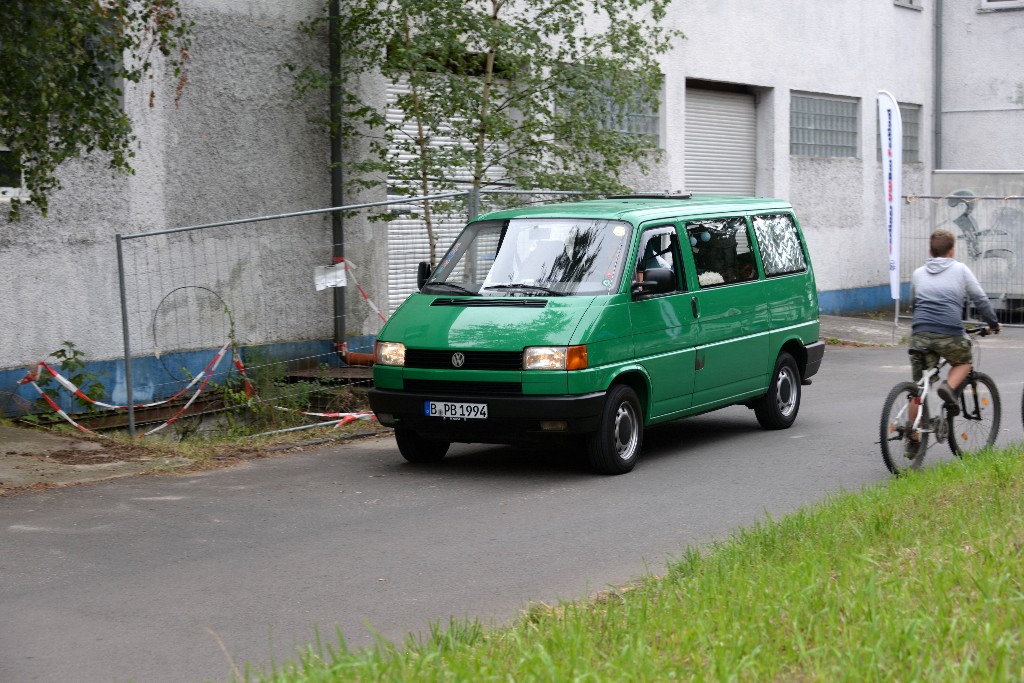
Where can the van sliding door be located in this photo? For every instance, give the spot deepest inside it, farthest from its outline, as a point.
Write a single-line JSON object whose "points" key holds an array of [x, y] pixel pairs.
{"points": [[731, 311]]}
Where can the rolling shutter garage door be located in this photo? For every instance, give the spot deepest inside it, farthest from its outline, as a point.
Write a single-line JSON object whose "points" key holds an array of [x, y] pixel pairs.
{"points": [[721, 157], [408, 243]]}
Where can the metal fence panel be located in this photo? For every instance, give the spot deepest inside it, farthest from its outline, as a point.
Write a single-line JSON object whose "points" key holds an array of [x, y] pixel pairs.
{"points": [[989, 239], [246, 288]]}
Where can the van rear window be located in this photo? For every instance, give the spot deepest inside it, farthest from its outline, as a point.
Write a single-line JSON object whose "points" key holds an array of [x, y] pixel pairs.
{"points": [[781, 251]]}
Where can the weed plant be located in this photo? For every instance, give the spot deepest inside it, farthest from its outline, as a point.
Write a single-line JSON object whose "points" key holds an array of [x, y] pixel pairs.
{"points": [[70, 362], [917, 579]]}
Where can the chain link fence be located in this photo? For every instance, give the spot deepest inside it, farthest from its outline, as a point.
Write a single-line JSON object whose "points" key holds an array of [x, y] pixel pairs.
{"points": [[989, 239]]}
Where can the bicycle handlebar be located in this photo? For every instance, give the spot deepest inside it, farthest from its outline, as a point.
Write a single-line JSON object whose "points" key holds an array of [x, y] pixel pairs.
{"points": [[979, 330]]}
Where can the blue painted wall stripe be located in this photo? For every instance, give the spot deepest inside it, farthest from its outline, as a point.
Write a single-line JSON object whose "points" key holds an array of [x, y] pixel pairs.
{"points": [[155, 378], [859, 300]]}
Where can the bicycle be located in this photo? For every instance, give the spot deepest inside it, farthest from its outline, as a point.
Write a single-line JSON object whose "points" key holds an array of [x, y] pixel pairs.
{"points": [[971, 424]]}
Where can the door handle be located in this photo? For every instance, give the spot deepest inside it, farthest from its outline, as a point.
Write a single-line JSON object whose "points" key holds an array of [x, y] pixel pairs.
{"points": [[695, 307]]}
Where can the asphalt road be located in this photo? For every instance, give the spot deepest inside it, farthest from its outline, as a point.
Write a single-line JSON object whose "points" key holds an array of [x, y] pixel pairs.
{"points": [[165, 578]]}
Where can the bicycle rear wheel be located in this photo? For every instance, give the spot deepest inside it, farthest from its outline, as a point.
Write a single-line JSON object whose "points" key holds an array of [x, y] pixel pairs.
{"points": [[977, 425], [895, 428]]}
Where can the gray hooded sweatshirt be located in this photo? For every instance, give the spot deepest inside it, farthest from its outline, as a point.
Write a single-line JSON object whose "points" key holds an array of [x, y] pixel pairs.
{"points": [[938, 290]]}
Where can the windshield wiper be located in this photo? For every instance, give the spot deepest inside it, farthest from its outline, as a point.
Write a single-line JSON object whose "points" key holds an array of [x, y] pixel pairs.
{"points": [[454, 286], [523, 285]]}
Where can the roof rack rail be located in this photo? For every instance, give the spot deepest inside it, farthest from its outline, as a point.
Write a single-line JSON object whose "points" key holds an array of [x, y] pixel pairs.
{"points": [[653, 195]]}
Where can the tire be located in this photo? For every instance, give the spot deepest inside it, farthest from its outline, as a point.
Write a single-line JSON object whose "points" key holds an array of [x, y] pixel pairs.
{"points": [[615, 446], [778, 408], [415, 448], [977, 425], [895, 426]]}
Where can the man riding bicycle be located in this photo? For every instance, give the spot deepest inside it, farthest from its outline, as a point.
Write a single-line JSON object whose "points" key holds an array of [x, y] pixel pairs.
{"points": [[938, 291]]}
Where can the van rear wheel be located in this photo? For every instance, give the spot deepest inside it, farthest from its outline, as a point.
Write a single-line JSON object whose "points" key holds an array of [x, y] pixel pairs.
{"points": [[415, 448], [615, 446], [778, 408]]}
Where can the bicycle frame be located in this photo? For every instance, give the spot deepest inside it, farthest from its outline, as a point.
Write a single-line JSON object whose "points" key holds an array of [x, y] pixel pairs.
{"points": [[924, 386]]}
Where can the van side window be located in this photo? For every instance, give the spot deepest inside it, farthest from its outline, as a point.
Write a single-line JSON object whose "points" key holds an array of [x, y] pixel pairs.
{"points": [[659, 249], [721, 251], [781, 252]]}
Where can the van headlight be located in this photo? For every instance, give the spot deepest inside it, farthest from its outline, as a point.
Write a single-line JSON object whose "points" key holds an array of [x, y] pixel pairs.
{"points": [[555, 358], [390, 353]]}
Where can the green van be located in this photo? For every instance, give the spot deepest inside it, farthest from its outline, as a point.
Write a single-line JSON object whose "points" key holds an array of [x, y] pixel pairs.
{"points": [[589, 321]]}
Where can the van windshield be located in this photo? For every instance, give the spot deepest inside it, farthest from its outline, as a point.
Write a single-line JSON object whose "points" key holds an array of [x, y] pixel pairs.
{"points": [[534, 257]]}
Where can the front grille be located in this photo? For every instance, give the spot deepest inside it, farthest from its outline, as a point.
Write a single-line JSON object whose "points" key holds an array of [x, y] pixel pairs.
{"points": [[473, 360], [440, 387]]}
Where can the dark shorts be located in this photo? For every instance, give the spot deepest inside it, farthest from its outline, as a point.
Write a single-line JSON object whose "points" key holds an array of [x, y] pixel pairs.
{"points": [[954, 348]]}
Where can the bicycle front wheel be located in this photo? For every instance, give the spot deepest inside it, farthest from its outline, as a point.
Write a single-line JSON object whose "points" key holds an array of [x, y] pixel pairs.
{"points": [[896, 427], [977, 425]]}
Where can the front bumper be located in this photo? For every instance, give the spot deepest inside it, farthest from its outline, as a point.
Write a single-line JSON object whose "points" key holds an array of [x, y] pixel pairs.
{"points": [[510, 419]]}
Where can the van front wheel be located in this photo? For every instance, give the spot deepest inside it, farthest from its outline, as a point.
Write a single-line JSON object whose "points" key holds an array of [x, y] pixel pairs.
{"points": [[415, 448], [615, 446], [778, 408]]}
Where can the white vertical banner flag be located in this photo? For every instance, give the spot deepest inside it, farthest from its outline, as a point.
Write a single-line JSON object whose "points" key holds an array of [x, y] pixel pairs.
{"points": [[891, 128]]}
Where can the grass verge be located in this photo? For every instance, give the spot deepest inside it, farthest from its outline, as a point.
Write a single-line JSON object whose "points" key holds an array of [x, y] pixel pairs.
{"points": [[920, 578]]}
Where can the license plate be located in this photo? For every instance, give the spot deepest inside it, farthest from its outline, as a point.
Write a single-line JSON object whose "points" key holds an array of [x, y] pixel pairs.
{"points": [[455, 411]]}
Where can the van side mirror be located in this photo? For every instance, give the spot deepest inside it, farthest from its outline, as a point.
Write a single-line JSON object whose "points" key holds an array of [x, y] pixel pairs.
{"points": [[422, 273], [656, 281]]}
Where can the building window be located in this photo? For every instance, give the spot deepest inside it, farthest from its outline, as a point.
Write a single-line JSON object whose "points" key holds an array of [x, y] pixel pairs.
{"points": [[909, 4], [633, 118], [823, 126], [637, 115], [1001, 4], [10, 177], [910, 116]]}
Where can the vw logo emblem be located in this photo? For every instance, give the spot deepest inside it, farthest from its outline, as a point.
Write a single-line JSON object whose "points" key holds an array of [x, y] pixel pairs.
{"points": [[458, 359]]}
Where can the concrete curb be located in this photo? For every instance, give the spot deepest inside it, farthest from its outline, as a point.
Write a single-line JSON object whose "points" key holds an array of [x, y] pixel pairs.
{"points": [[866, 331]]}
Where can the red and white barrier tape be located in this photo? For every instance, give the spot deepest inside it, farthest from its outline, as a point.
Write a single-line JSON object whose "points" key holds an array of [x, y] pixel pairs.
{"points": [[341, 418], [211, 367], [33, 377], [362, 292], [57, 409], [33, 374]]}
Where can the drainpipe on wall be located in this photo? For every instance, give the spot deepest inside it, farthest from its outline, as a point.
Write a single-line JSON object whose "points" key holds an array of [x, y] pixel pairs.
{"points": [[337, 175], [937, 113]]}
